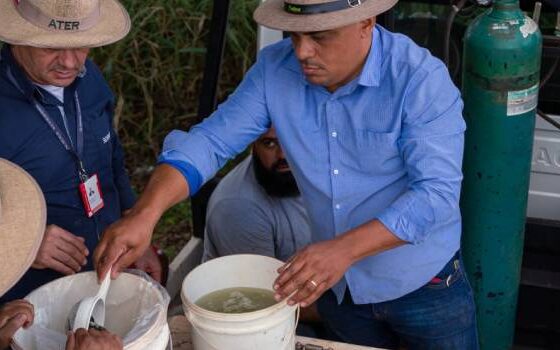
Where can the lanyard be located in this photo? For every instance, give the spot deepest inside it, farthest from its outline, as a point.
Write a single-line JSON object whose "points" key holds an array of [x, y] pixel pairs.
{"points": [[79, 126]]}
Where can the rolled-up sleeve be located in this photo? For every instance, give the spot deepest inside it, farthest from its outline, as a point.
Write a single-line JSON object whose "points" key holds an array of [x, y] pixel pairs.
{"points": [[209, 145], [431, 145]]}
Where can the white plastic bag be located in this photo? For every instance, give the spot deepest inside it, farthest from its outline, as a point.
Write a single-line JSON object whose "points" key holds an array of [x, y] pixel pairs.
{"points": [[136, 310]]}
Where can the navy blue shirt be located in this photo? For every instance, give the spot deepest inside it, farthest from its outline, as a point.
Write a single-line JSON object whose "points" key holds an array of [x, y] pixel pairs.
{"points": [[27, 140]]}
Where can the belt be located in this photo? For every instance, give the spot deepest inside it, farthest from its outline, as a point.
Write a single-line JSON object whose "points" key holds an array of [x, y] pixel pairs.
{"points": [[450, 272]]}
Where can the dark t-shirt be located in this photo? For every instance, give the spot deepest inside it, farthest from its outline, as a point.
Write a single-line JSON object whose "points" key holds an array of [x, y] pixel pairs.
{"points": [[243, 219]]}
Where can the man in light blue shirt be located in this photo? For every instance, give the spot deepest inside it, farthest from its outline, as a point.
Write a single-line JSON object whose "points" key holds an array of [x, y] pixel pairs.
{"points": [[371, 126]]}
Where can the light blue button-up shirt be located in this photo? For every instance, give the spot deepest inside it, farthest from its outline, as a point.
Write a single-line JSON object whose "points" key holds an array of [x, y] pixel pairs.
{"points": [[388, 146]]}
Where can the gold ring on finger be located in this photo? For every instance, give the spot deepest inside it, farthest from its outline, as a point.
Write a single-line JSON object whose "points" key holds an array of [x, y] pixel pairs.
{"points": [[315, 284]]}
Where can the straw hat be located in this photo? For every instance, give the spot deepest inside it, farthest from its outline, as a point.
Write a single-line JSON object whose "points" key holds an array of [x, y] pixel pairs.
{"points": [[22, 222], [63, 23], [317, 15]]}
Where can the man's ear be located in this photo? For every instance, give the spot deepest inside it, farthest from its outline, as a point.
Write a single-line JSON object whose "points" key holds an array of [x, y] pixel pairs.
{"points": [[366, 26]]}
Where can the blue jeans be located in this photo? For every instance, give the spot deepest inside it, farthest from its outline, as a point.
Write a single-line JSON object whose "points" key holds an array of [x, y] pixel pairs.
{"points": [[439, 315]]}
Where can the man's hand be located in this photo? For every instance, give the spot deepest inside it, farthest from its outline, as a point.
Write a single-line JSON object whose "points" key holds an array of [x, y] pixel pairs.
{"points": [[93, 340], [61, 251], [312, 271], [149, 263], [127, 239], [318, 267], [122, 244], [13, 316]]}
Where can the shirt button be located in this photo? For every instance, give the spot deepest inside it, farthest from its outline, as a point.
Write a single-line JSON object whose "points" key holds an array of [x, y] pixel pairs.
{"points": [[337, 206], [334, 134], [335, 171]]}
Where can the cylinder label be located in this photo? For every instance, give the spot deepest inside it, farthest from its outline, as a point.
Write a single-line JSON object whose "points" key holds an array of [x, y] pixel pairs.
{"points": [[522, 101], [530, 27]]}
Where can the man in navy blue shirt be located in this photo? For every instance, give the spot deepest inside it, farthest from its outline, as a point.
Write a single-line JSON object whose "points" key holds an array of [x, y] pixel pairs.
{"points": [[56, 114]]}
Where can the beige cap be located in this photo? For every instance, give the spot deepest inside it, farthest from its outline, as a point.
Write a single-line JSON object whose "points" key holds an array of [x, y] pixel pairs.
{"points": [[317, 15], [23, 217], [63, 23]]}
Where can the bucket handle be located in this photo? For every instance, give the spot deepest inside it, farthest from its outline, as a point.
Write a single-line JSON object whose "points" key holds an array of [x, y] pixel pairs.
{"points": [[190, 317]]}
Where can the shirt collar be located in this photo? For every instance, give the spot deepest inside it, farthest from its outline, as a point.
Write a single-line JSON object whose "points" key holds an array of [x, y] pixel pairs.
{"points": [[371, 73], [11, 67], [46, 98]]}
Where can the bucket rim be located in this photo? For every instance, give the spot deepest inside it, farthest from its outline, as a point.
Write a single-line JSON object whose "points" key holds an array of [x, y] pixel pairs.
{"points": [[245, 316], [229, 257], [221, 259]]}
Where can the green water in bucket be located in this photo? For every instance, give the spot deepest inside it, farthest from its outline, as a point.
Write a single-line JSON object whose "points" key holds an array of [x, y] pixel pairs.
{"points": [[237, 300]]}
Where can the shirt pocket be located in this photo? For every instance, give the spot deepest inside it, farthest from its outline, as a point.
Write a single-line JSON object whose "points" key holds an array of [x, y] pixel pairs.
{"points": [[98, 144], [372, 152]]}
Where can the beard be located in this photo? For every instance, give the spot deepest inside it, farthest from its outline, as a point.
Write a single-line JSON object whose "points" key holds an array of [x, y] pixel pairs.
{"points": [[275, 183]]}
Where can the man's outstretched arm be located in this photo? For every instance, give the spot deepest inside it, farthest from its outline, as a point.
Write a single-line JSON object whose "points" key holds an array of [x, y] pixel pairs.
{"points": [[126, 240], [196, 156]]}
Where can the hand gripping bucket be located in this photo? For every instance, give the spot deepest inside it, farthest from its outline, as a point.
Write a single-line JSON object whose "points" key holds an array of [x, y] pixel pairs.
{"points": [[136, 310], [272, 328]]}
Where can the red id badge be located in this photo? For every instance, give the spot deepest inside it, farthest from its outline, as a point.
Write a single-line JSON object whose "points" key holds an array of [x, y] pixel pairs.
{"points": [[91, 195]]}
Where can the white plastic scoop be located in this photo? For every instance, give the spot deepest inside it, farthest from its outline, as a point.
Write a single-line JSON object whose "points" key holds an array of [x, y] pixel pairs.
{"points": [[90, 311]]}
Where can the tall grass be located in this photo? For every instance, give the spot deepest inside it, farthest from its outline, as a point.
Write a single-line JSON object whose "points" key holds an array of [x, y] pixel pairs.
{"points": [[156, 73]]}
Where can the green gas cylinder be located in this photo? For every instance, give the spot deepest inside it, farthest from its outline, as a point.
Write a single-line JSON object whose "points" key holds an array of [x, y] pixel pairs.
{"points": [[501, 69]]}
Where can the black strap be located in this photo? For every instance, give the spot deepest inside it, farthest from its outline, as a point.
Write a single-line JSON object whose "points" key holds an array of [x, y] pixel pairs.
{"points": [[312, 9]]}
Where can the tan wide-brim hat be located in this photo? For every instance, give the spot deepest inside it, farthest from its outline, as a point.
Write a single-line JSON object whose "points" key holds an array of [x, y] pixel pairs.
{"points": [[317, 15], [63, 24], [22, 222]]}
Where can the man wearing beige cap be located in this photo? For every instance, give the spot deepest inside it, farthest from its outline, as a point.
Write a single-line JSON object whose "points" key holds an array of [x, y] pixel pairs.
{"points": [[22, 225], [56, 114], [372, 129]]}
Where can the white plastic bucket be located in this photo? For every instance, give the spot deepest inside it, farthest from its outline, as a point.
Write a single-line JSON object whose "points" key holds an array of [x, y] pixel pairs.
{"points": [[136, 310], [272, 328]]}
